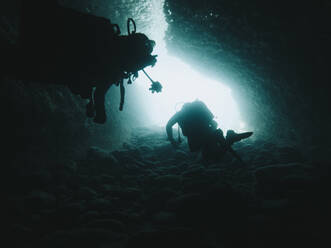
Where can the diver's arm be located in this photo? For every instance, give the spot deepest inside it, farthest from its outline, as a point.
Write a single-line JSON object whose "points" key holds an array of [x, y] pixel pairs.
{"points": [[173, 120]]}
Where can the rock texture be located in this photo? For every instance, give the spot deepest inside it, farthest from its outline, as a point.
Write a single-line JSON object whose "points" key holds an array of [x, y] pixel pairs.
{"points": [[148, 194], [274, 55]]}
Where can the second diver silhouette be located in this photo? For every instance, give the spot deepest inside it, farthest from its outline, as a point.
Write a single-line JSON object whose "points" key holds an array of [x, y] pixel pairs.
{"points": [[198, 125]]}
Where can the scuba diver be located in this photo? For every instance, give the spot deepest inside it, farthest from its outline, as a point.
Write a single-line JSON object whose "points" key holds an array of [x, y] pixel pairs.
{"points": [[87, 53], [198, 125]]}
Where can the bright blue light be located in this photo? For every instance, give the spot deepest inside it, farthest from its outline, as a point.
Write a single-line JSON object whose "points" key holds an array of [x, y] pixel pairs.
{"points": [[182, 84]]}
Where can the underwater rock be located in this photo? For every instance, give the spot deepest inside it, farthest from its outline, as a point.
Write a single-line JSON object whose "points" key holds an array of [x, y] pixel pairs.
{"points": [[89, 216], [69, 213], [183, 202], [124, 157], [181, 155], [76, 206], [214, 204], [289, 154], [129, 194], [107, 224], [298, 182], [168, 181], [99, 204], [194, 172], [276, 171], [96, 153], [86, 193], [164, 217], [213, 172], [274, 207], [163, 193], [172, 169], [104, 179], [20, 231], [320, 154], [124, 217], [37, 200], [61, 190], [41, 178], [157, 199], [196, 185], [275, 181], [29, 180], [179, 237], [82, 237], [70, 166]]}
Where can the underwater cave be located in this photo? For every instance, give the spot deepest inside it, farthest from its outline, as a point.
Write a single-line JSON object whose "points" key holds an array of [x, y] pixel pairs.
{"points": [[259, 66]]}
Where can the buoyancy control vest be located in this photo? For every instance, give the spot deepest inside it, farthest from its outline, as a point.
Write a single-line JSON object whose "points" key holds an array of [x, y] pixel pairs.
{"points": [[194, 117]]}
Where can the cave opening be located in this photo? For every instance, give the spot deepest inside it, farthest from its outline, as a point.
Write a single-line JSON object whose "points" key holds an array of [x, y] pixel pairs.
{"points": [[181, 83]]}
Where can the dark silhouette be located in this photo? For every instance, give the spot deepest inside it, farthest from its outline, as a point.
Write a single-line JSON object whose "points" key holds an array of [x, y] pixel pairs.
{"points": [[85, 52], [198, 125]]}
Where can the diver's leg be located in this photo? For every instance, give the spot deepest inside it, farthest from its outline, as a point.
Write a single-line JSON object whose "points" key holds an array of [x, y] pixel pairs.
{"points": [[219, 136], [194, 142], [99, 101], [90, 107], [232, 136], [212, 149]]}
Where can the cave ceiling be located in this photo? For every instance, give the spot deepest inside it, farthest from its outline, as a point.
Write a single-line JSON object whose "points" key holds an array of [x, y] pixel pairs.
{"points": [[274, 54]]}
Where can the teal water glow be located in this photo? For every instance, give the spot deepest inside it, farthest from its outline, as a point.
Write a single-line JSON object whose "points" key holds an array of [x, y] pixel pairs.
{"points": [[181, 83]]}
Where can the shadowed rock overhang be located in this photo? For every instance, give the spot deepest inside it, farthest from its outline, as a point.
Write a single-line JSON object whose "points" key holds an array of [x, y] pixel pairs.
{"points": [[275, 55]]}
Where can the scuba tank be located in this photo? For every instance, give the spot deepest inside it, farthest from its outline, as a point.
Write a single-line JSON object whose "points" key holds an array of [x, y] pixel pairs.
{"points": [[145, 48]]}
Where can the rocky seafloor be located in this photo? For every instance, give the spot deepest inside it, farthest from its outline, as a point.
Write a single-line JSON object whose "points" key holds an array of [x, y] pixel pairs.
{"points": [[149, 194]]}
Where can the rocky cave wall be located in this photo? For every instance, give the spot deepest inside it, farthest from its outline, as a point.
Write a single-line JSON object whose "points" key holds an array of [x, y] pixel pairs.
{"points": [[273, 54]]}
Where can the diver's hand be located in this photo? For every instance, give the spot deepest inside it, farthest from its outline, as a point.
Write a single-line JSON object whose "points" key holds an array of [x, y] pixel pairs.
{"points": [[149, 60]]}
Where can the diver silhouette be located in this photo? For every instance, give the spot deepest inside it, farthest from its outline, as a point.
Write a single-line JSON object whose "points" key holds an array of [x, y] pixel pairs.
{"points": [[87, 53], [198, 125]]}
